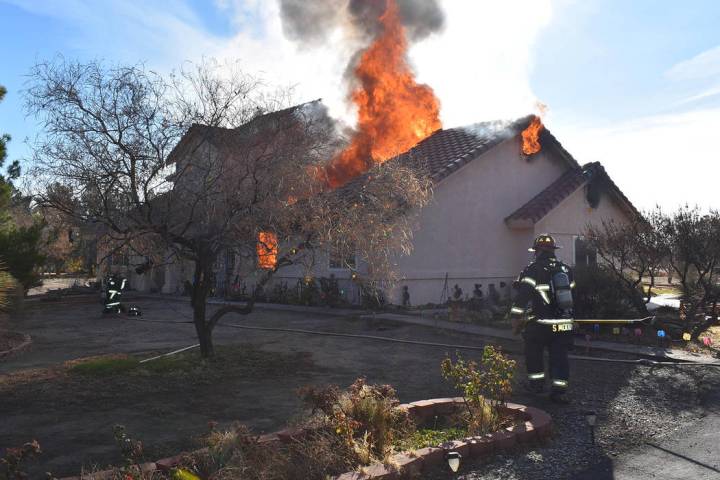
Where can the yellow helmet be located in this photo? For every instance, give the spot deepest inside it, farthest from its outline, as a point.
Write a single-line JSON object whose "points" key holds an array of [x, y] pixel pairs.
{"points": [[544, 242]]}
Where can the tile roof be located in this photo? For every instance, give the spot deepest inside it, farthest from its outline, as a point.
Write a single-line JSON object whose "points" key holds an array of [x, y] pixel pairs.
{"points": [[542, 203], [445, 151]]}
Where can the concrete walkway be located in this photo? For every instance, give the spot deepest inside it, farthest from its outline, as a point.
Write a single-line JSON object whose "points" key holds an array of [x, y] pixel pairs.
{"points": [[645, 350]]}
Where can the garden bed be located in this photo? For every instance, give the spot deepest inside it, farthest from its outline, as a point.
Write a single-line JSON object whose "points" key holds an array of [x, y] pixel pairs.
{"points": [[532, 425]]}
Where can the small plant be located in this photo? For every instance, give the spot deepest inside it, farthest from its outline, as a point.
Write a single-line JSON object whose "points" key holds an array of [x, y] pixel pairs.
{"points": [[132, 453], [330, 291], [11, 464], [430, 437], [309, 292], [484, 387], [372, 297]]}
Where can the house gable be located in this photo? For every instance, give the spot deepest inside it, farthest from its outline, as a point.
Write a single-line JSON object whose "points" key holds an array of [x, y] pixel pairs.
{"points": [[571, 217], [590, 176], [461, 232]]}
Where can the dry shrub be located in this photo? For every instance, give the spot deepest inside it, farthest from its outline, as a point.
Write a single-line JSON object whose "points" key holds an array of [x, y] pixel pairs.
{"points": [[11, 464], [237, 454], [365, 417], [344, 430]]}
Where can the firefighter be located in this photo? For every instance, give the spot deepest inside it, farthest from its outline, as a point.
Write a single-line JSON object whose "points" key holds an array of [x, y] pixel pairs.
{"points": [[544, 307], [113, 293]]}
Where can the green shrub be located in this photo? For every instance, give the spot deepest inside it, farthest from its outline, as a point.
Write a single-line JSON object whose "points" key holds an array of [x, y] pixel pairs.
{"points": [[372, 297], [7, 286], [309, 292], [20, 252], [600, 294], [484, 387]]}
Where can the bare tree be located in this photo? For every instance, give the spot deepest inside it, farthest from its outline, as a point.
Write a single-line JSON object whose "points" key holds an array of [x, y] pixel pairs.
{"points": [[633, 251], [692, 247], [204, 163], [685, 243]]}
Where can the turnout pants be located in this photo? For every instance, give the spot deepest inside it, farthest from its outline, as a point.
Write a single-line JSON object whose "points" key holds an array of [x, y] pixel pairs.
{"points": [[537, 338]]}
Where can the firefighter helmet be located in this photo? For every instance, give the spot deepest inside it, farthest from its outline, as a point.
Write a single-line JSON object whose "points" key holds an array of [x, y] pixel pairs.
{"points": [[543, 242]]}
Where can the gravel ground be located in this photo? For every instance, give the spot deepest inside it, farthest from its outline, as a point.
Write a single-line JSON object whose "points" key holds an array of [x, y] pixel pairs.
{"points": [[634, 404]]}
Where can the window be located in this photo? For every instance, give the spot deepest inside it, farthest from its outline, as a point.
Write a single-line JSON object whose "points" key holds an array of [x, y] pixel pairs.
{"points": [[267, 250], [585, 254], [342, 260]]}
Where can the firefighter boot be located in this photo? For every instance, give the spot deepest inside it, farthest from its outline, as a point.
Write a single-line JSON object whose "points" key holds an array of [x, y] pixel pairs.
{"points": [[557, 393]]}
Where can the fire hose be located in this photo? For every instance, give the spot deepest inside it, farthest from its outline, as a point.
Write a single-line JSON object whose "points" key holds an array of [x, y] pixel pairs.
{"points": [[640, 361]]}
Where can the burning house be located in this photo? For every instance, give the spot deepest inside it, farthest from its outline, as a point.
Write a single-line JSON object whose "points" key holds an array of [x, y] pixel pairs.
{"points": [[496, 185]]}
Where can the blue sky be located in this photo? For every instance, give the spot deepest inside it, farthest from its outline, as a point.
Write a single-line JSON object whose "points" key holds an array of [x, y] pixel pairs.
{"points": [[633, 84]]}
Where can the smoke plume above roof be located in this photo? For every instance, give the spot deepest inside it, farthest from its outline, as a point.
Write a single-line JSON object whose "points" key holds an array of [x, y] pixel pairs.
{"points": [[311, 22]]}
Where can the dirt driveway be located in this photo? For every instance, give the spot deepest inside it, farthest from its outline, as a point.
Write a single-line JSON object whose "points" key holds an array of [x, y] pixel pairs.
{"points": [[72, 416], [76, 428]]}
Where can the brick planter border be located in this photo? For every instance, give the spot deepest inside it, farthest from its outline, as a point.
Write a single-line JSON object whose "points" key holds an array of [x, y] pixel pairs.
{"points": [[537, 426], [24, 345]]}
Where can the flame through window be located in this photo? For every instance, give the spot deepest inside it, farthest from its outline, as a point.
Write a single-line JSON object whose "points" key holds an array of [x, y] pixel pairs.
{"points": [[267, 250]]}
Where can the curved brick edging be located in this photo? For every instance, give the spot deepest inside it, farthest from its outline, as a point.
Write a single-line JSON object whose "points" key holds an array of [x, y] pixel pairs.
{"points": [[24, 345], [537, 426]]}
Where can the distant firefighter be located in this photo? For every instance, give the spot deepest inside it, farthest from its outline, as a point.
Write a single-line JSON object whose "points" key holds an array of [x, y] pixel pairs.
{"points": [[114, 286]]}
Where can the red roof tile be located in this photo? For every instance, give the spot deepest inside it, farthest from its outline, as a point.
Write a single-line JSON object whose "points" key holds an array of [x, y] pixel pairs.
{"points": [[541, 204], [447, 150]]}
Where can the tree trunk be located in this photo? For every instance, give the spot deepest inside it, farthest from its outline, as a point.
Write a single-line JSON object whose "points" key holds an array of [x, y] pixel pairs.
{"points": [[202, 283], [204, 334], [201, 288]]}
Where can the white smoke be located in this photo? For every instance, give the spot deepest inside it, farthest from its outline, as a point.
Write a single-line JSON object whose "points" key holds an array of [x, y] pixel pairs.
{"points": [[480, 65]]}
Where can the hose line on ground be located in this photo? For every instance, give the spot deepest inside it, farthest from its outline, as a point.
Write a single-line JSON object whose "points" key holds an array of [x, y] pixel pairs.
{"points": [[639, 361]]}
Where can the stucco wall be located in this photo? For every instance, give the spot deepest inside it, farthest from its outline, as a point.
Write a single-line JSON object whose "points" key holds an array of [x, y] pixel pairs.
{"points": [[572, 216], [462, 232]]}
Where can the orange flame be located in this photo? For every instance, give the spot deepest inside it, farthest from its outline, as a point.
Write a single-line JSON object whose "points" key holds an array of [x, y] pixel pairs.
{"points": [[531, 137], [394, 111], [267, 250]]}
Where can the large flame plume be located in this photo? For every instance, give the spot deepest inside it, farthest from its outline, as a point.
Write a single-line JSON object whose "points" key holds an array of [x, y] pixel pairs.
{"points": [[394, 111]]}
